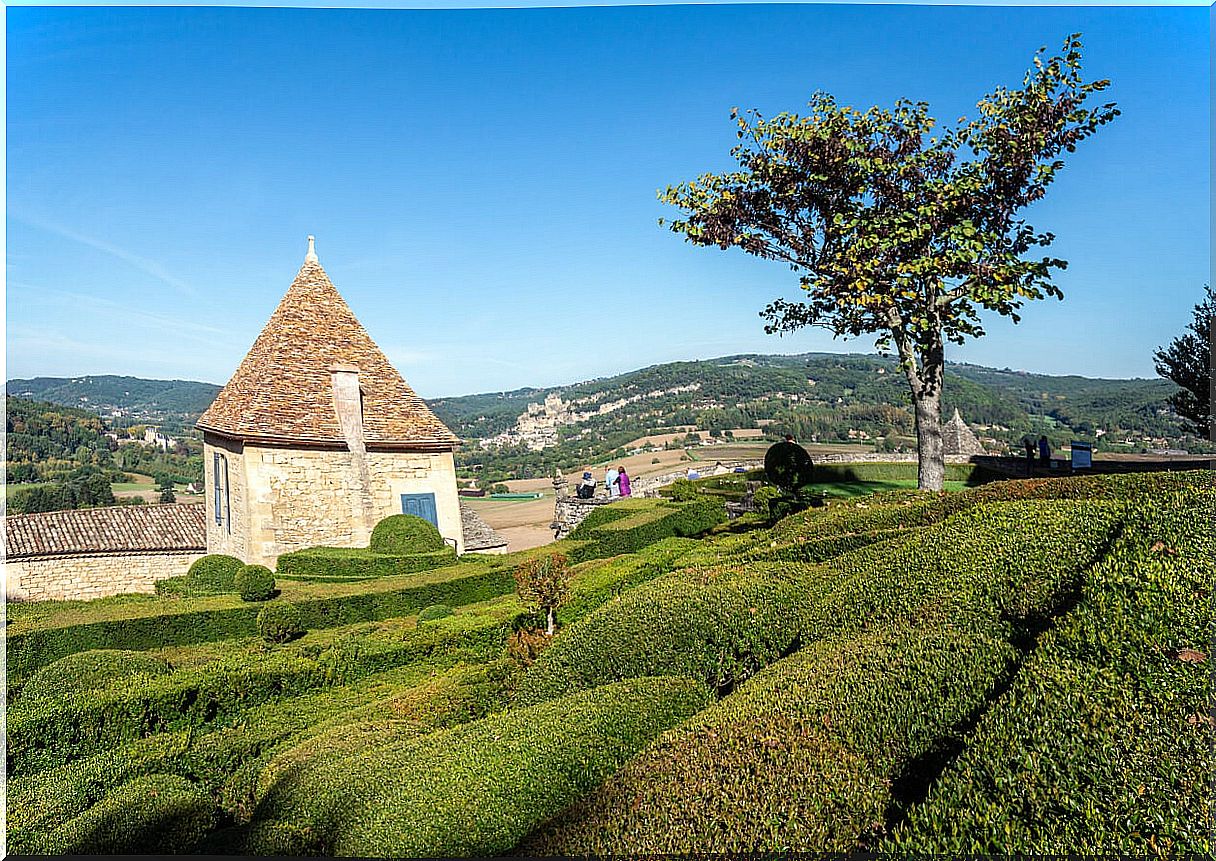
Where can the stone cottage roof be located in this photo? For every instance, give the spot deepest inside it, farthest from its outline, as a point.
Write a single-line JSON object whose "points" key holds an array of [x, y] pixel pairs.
{"points": [[479, 536], [117, 529], [283, 390], [957, 438]]}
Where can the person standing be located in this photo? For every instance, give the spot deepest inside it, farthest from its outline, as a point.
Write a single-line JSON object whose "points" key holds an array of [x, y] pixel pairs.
{"points": [[1044, 452], [1029, 443], [611, 478], [623, 481]]}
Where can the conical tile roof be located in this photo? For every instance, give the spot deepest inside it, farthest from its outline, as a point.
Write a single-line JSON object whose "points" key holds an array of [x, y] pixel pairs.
{"points": [[283, 390]]}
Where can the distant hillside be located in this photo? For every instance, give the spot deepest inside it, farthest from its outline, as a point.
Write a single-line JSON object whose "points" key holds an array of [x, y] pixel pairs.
{"points": [[172, 404]]}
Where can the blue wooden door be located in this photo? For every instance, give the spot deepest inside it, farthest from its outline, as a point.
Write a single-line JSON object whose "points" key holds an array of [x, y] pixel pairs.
{"points": [[420, 505]]}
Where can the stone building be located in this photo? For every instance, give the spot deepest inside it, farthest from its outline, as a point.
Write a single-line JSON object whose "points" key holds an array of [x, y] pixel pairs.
{"points": [[316, 438], [95, 552]]}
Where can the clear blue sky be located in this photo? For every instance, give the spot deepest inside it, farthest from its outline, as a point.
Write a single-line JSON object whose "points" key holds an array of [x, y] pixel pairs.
{"points": [[482, 182]]}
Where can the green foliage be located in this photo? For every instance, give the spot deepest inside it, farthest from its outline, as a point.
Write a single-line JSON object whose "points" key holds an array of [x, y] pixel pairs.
{"points": [[434, 611], [631, 524], [718, 628], [763, 499], [543, 584], [278, 623], [476, 789], [788, 466], [254, 583], [209, 620], [805, 757], [682, 490], [158, 813], [89, 671], [1187, 361], [214, 574], [1103, 740], [405, 535], [343, 564]]}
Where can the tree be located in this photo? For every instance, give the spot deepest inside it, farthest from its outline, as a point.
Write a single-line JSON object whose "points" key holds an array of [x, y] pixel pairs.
{"points": [[895, 231], [1188, 362], [544, 584]]}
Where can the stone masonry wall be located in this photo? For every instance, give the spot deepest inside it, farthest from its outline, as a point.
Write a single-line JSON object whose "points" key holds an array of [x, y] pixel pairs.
{"points": [[85, 577], [306, 497], [232, 538], [570, 511]]}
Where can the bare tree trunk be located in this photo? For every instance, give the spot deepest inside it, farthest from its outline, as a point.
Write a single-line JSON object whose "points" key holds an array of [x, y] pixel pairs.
{"points": [[551, 621], [925, 373]]}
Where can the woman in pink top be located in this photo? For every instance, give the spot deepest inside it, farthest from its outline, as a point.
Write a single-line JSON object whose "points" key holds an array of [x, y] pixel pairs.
{"points": [[623, 482]]}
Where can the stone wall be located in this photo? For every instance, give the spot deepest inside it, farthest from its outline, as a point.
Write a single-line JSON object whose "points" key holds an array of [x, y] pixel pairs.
{"points": [[84, 577], [570, 511], [285, 499]]}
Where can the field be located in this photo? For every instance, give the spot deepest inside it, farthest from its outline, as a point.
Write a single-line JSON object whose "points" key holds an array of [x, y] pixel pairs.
{"points": [[1018, 667]]}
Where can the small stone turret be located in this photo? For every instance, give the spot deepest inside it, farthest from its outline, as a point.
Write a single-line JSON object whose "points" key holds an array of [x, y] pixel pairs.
{"points": [[957, 438]]}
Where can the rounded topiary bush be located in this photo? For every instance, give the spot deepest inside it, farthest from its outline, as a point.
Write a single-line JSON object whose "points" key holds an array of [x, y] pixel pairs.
{"points": [[255, 583], [435, 611], [278, 623], [788, 465], [214, 573], [405, 534], [90, 671]]}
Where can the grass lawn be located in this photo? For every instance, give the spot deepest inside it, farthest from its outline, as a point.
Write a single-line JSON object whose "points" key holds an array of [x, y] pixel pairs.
{"points": [[853, 489]]}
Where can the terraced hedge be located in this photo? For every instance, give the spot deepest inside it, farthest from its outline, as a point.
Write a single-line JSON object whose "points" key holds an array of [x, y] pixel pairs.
{"points": [[472, 790], [1104, 740], [629, 525], [809, 755], [345, 564], [211, 621]]}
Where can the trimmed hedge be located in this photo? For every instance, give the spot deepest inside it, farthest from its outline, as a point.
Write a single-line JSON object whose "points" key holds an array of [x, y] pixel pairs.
{"points": [[434, 611], [48, 734], [159, 813], [29, 650], [278, 623], [212, 574], [1104, 741], [804, 757], [475, 789], [635, 524], [405, 534], [718, 628], [343, 564], [254, 583], [89, 671]]}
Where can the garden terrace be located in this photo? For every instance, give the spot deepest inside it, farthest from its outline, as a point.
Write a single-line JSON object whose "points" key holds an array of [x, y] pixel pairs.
{"points": [[1036, 651]]}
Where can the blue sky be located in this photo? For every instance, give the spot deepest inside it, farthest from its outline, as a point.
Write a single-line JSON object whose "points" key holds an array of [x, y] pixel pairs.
{"points": [[482, 183]]}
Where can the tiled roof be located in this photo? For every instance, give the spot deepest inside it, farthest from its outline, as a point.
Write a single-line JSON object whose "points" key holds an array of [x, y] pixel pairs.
{"points": [[118, 529], [478, 535], [283, 390]]}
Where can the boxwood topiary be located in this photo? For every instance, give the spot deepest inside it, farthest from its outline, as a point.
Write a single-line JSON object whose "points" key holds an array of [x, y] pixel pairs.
{"points": [[403, 534], [255, 583], [214, 573], [89, 671], [434, 611], [278, 623]]}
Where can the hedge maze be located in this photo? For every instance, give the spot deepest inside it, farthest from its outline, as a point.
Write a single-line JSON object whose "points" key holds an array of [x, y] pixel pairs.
{"points": [[1018, 667]]}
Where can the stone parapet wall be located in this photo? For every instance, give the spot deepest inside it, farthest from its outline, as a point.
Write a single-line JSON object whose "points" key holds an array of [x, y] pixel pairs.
{"points": [[570, 511], [84, 577]]}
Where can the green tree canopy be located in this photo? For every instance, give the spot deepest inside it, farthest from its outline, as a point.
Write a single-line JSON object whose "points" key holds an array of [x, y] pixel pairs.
{"points": [[1188, 362], [896, 229]]}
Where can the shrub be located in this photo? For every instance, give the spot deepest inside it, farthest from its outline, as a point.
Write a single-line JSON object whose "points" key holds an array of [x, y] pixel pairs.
{"points": [[404, 535], [763, 499], [339, 564], [278, 623], [787, 465], [30, 649], [254, 583], [718, 628], [635, 524], [543, 584], [682, 490], [213, 574], [434, 611], [804, 757], [89, 671], [159, 813], [475, 789]]}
